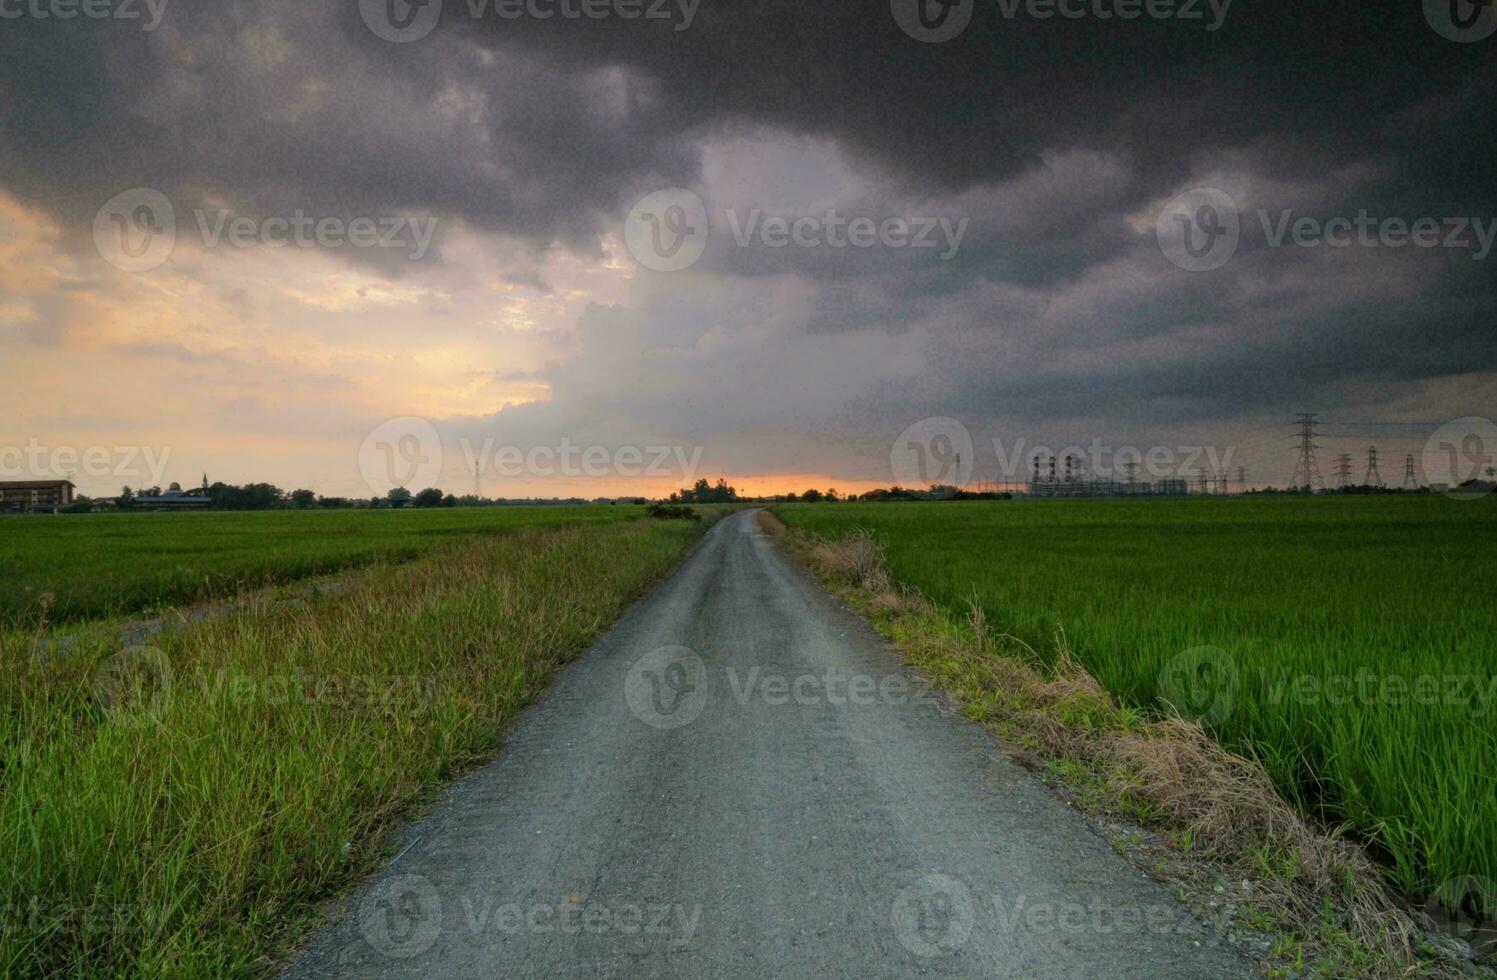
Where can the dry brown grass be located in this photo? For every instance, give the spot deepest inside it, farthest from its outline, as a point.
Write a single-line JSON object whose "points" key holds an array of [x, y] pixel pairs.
{"points": [[1164, 768]]}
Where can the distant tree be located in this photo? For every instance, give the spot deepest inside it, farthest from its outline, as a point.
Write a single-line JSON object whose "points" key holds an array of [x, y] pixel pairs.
{"points": [[127, 498], [705, 493], [153, 492], [302, 499], [399, 497], [81, 504], [832, 496], [251, 496], [449, 501], [334, 503], [430, 497], [811, 496], [175, 487]]}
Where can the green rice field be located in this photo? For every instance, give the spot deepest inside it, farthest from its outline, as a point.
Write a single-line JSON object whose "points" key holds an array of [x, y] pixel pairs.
{"points": [[183, 809], [95, 565], [1349, 643]]}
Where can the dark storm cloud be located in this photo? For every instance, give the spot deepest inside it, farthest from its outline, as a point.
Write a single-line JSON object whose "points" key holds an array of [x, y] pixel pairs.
{"points": [[1324, 81], [1051, 138]]}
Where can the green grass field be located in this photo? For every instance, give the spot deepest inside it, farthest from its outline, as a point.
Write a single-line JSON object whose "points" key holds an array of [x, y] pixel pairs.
{"points": [[181, 809], [118, 564], [1358, 636]]}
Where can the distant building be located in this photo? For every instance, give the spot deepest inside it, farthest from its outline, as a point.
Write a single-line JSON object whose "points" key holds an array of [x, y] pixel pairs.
{"points": [[175, 500], [36, 495]]}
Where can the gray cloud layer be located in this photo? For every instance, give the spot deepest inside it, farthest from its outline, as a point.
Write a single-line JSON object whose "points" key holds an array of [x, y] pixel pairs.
{"points": [[1052, 139]]}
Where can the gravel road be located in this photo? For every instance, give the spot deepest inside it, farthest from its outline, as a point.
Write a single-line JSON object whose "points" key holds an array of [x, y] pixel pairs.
{"points": [[742, 780]]}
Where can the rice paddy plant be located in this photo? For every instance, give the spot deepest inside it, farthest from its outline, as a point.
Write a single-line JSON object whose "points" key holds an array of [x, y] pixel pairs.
{"points": [[1350, 644], [182, 810]]}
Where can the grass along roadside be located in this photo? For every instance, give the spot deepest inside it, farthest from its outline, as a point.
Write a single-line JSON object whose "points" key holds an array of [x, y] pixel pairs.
{"points": [[183, 809], [1320, 897], [1341, 643]]}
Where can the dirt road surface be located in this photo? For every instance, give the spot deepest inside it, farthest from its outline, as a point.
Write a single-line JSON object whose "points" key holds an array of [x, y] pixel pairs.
{"points": [[742, 780]]}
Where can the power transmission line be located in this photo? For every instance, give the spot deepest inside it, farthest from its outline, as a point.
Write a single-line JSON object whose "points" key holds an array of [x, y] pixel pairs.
{"points": [[1374, 478], [1343, 471], [1307, 470]]}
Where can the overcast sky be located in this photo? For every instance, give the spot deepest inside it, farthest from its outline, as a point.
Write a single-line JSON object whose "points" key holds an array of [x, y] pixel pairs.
{"points": [[433, 214]]}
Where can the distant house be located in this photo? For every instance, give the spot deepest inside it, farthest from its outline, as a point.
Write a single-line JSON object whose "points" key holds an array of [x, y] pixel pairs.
{"points": [[36, 495]]}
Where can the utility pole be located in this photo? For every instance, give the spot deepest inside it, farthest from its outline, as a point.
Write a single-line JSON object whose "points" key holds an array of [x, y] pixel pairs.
{"points": [[1242, 479], [1307, 470], [1410, 481], [1374, 478]]}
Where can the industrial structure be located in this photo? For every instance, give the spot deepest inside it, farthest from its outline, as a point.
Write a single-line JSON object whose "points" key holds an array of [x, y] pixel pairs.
{"points": [[1048, 479], [1306, 478]]}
